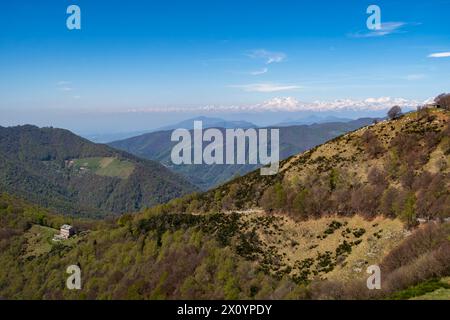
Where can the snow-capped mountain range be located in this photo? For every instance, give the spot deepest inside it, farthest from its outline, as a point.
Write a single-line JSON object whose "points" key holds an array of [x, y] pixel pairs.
{"points": [[291, 104]]}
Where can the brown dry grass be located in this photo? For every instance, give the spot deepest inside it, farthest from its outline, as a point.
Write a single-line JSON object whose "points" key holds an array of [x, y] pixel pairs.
{"points": [[295, 241]]}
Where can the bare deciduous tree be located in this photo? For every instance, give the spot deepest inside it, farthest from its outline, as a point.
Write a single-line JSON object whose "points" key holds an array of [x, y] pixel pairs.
{"points": [[394, 112], [443, 101]]}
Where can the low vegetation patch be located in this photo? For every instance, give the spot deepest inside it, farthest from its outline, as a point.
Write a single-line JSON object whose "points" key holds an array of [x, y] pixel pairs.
{"points": [[107, 166], [422, 289]]}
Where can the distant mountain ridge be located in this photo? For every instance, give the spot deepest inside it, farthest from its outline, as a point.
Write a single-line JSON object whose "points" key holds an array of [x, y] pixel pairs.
{"points": [[108, 137], [62, 171], [208, 122], [311, 120], [294, 139]]}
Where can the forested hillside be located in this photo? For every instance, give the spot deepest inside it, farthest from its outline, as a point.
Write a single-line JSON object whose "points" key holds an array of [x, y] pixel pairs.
{"points": [[183, 256], [59, 170]]}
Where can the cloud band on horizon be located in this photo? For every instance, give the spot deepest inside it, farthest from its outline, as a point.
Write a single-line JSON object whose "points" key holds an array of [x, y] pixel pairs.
{"points": [[290, 104]]}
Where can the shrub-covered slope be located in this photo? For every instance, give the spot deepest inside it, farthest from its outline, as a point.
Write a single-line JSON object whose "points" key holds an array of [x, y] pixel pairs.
{"points": [[397, 168]]}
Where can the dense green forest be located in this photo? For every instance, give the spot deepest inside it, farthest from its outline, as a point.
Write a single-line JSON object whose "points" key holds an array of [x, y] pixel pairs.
{"points": [[59, 170], [124, 260]]}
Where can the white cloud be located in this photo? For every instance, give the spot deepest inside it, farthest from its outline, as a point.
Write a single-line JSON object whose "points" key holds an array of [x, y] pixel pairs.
{"points": [[268, 56], [281, 104], [265, 87], [386, 29], [259, 72], [439, 55]]}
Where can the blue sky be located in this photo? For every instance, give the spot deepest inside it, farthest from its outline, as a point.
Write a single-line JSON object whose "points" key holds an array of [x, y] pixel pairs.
{"points": [[169, 55]]}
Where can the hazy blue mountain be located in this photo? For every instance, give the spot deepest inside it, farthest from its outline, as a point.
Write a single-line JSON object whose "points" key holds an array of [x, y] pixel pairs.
{"points": [[311, 120], [209, 122], [108, 137]]}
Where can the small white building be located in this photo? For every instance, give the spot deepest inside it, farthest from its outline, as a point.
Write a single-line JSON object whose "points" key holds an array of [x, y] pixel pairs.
{"points": [[66, 231]]}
